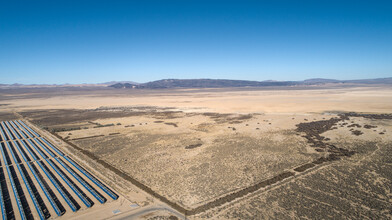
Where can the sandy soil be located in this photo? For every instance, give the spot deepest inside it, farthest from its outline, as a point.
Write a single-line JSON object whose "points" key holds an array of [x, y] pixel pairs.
{"points": [[358, 187], [193, 147], [169, 159], [358, 99]]}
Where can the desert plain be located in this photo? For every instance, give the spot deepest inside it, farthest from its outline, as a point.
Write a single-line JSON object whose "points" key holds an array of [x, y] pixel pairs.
{"points": [[304, 152]]}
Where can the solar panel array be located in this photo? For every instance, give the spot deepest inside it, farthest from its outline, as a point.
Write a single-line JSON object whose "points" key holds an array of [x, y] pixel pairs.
{"points": [[37, 180]]}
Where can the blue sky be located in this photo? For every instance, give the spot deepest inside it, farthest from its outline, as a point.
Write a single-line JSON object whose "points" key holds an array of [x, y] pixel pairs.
{"points": [[98, 41]]}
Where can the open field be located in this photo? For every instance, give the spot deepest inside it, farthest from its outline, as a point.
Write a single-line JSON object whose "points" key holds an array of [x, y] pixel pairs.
{"points": [[221, 153], [241, 100]]}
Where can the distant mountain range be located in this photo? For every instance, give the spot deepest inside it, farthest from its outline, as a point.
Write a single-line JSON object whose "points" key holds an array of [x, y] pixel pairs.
{"points": [[205, 83], [223, 83]]}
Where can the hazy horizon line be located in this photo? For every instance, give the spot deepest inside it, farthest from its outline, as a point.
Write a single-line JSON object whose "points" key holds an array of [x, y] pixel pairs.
{"points": [[235, 79]]}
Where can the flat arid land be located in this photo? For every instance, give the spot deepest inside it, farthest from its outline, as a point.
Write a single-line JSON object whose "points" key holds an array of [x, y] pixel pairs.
{"points": [[316, 152]]}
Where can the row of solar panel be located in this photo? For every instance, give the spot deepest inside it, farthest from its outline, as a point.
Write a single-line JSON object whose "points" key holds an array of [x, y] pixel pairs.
{"points": [[12, 130], [38, 151]]}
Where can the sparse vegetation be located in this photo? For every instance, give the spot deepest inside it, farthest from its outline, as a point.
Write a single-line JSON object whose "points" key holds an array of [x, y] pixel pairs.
{"points": [[183, 158]]}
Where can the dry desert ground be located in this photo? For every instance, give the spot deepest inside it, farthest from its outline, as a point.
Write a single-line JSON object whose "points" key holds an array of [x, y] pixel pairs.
{"points": [[315, 152]]}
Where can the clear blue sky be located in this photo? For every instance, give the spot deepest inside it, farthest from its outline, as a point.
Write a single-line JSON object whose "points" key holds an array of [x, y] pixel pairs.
{"points": [[66, 41]]}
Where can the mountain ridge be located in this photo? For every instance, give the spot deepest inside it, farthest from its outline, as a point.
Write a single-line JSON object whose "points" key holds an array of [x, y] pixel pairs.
{"points": [[223, 83], [205, 83]]}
